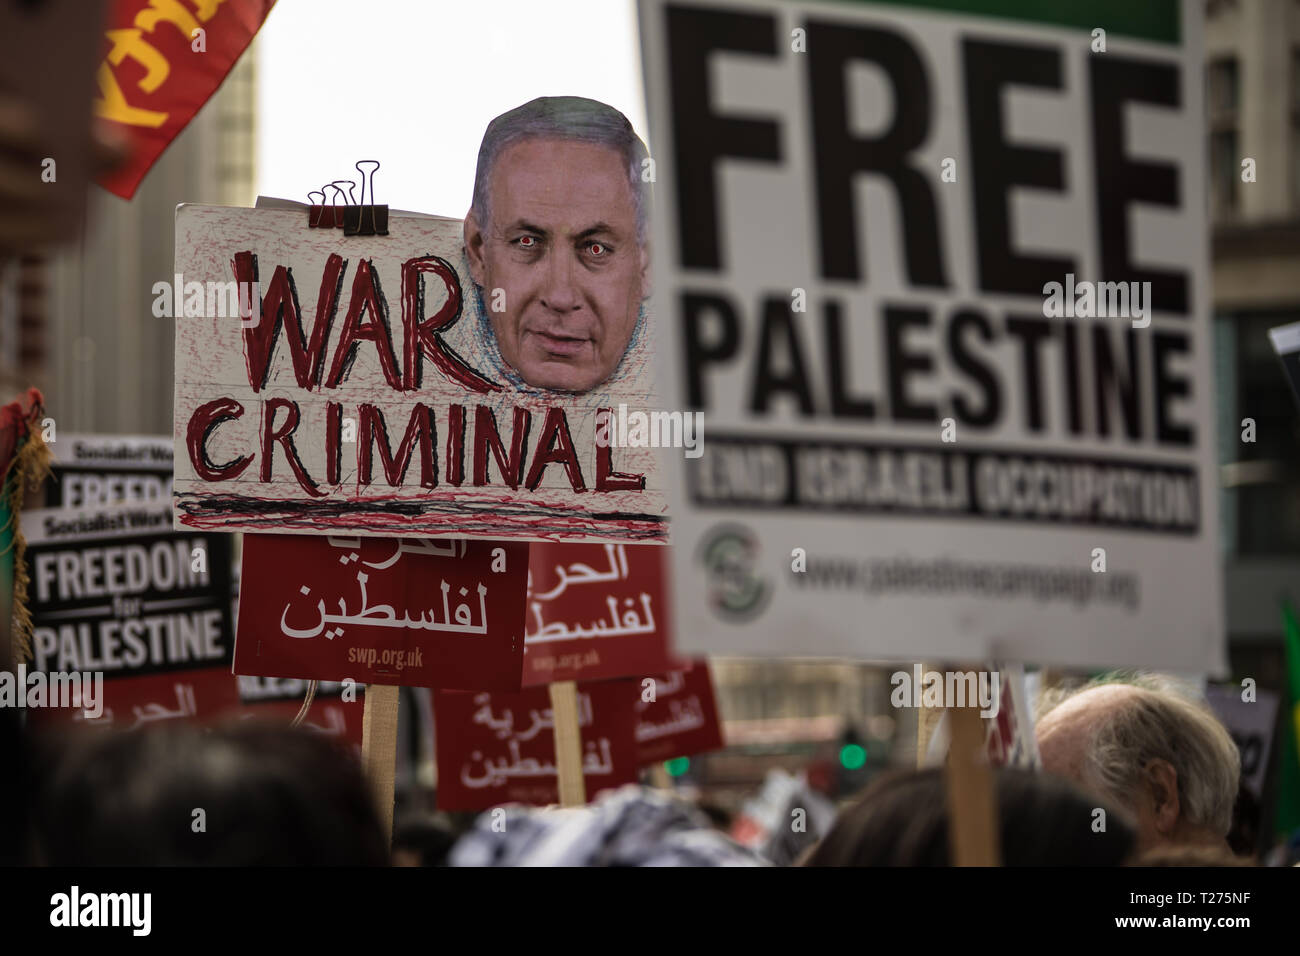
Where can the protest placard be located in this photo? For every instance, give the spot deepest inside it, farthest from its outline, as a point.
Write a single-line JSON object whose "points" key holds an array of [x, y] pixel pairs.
{"points": [[496, 748], [89, 470], [332, 384], [1005, 712], [682, 717], [336, 708], [445, 613], [958, 387], [1250, 718], [117, 592], [595, 611]]}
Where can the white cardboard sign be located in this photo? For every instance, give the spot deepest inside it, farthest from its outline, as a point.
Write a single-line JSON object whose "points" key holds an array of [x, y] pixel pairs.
{"points": [[350, 383], [938, 282]]}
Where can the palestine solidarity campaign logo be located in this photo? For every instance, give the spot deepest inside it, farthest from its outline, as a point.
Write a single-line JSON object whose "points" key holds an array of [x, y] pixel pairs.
{"points": [[737, 591]]}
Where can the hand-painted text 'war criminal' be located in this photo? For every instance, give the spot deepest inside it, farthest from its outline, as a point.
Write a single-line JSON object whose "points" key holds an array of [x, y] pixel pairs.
{"points": [[302, 427]]}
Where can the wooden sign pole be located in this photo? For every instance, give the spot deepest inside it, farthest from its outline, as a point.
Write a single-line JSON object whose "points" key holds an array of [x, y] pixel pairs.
{"points": [[8, 653], [972, 804], [379, 748], [927, 721], [568, 743]]}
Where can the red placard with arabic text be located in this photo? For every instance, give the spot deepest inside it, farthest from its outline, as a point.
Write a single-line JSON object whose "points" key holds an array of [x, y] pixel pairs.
{"points": [[1009, 740], [200, 696], [162, 62], [682, 719], [444, 613], [500, 748], [595, 611], [332, 713]]}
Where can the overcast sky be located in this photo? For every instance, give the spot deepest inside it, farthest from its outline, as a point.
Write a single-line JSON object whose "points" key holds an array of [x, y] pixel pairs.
{"points": [[414, 83]]}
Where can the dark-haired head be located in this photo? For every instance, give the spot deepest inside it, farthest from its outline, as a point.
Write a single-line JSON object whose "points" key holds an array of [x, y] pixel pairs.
{"points": [[901, 819], [179, 795]]}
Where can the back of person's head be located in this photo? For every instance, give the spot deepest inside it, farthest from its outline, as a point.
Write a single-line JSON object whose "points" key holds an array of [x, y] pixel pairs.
{"points": [[421, 839], [243, 795], [14, 784], [901, 819], [1243, 837], [1190, 856], [1146, 739]]}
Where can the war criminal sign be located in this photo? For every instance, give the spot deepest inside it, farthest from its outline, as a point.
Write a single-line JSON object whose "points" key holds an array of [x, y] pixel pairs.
{"points": [[331, 384], [937, 281]]}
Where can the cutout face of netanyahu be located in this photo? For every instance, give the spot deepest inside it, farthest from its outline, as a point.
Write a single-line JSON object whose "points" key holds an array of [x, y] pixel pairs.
{"points": [[556, 239]]}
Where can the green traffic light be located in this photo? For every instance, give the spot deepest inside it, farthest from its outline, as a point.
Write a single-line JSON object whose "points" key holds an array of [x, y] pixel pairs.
{"points": [[677, 766], [852, 756]]}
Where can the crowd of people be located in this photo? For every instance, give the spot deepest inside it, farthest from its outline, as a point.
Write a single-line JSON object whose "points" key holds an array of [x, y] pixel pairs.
{"points": [[1134, 772]]}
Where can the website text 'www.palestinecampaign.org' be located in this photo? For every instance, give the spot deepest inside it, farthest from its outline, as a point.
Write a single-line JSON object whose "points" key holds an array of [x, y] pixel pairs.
{"points": [[902, 575]]}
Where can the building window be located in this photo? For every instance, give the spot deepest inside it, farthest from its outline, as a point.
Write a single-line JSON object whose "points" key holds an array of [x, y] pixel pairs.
{"points": [[1295, 128], [1223, 94], [1264, 478], [1223, 172]]}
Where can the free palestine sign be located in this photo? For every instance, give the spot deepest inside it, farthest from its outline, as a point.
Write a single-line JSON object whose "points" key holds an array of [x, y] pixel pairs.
{"points": [[937, 279]]}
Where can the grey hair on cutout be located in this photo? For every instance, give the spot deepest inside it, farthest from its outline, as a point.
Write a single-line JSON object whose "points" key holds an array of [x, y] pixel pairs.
{"points": [[1163, 720], [572, 118]]}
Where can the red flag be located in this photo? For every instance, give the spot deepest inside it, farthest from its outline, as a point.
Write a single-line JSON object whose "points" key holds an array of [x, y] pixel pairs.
{"points": [[162, 61]]}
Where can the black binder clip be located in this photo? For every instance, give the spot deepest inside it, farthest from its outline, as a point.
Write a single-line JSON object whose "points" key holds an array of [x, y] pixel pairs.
{"points": [[342, 199], [366, 218], [323, 215], [320, 215], [315, 210]]}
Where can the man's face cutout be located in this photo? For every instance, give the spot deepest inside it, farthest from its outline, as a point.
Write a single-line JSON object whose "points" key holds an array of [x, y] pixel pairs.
{"points": [[562, 273]]}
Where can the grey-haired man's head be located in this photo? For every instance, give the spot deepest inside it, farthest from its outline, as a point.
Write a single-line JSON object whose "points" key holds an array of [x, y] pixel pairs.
{"points": [[557, 239], [1152, 748]]}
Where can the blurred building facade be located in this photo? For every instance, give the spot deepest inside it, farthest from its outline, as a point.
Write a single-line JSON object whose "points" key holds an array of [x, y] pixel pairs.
{"points": [[105, 361], [24, 321], [1253, 103]]}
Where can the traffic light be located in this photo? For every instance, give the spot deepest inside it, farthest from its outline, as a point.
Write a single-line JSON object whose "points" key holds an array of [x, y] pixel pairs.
{"points": [[677, 766], [852, 756], [852, 773]]}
